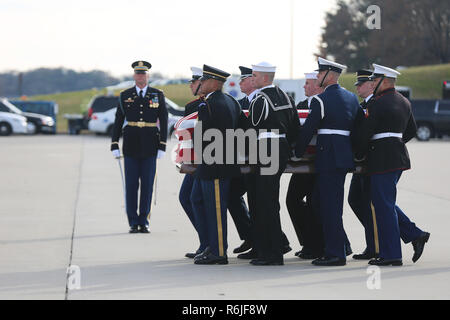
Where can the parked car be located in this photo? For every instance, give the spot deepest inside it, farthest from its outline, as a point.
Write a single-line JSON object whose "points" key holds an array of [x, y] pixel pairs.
{"points": [[102, 103], [36, 122], [12, 123], [46, 108], [103, 122], [432, 118]]}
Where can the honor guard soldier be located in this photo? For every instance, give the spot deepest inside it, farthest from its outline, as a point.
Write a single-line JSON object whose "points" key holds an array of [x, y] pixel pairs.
{"points": [[359, 193], [273, 116], [389, 126], [140, 108], [188, 181], [194, 85], [306, 223], [237, 207], [333, 113], [246, 86], [311, 88], [210, 193]]}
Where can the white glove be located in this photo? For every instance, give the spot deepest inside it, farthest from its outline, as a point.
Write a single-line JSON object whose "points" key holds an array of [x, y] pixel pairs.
{"points": [[116, 153], [160, 154]]}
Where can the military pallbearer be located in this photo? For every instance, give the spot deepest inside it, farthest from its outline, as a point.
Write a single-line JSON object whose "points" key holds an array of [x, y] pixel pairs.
{"points": [[389, 126]]}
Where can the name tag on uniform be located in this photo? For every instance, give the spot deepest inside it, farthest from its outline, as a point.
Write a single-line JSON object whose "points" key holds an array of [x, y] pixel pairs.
{"points": [[129, 100]]}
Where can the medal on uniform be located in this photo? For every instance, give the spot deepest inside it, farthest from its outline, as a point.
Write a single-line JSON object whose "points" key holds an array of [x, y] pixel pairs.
{"points": [[154, 102]]}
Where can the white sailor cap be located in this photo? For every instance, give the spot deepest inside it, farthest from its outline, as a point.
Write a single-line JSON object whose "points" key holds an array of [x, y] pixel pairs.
{"points": [[197, 73], [311, 75], [380, 71], [263, 67], [330, 65]]}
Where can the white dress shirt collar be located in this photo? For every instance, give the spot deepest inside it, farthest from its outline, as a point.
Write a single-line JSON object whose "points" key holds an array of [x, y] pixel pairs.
{"points": [[368, 98], [252, 95], [144, 90]]}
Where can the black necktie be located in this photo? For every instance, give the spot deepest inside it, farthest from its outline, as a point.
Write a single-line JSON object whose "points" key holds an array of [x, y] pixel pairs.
{"points": [[141, 94]]}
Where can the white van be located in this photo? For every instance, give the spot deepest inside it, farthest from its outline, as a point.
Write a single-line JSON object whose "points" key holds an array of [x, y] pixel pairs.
{"points": [[103, 122], [12, 123]]}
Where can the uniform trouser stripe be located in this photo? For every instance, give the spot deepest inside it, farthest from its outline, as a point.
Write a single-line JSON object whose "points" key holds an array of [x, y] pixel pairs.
{"points": [[218, 216], [375, 230]]}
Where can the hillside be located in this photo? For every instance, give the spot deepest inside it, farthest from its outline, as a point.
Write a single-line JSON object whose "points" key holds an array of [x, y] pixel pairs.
{"points": [[425, 81]]}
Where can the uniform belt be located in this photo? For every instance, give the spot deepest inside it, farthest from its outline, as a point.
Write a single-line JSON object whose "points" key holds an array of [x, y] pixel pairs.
{"points": [[265, 135], [386, 135], [141, 124], [334, 131]]}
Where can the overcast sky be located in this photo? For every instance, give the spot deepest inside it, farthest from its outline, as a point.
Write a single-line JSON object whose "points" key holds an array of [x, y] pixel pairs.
{"points": [[171, 34]]}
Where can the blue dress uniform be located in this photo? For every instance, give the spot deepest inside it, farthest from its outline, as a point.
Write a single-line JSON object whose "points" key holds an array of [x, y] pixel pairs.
{"points": [[389, 126], [141, 141], [333, 114], [187, 187], [221, 112], [188, 181], [359, 192]]}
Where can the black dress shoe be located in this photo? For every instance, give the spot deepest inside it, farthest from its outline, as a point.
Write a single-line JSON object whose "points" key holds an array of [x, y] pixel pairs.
{"points": [[419, 245], [192, 255], [133, 229], [286, 249], [348, 251], [386, 262], [364, 256], [329, 261], [211, 259], [202, 253], [308, 256], [262, 262], [252, 254], [143, 229], [246, 245]]}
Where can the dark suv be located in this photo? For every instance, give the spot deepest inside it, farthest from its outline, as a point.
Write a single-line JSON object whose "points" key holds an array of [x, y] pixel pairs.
{"points": [[432, 118]]}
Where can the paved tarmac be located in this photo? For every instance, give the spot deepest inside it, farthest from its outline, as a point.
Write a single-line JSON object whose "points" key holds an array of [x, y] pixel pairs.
{"points": [[61, 204]]}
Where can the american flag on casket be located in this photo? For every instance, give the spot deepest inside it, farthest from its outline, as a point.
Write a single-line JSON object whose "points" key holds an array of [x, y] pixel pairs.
{"points": [[184, 131]]}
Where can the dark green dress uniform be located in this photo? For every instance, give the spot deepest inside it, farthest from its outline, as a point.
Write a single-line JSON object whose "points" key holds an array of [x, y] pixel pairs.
{"points": [[142, 121], [272, 110]]}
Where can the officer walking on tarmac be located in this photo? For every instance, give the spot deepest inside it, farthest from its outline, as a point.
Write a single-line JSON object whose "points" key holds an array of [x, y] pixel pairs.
{"points": [[188, 181], [389, 126], [143, 142], [216, 114], [333, 114]]}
